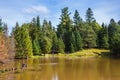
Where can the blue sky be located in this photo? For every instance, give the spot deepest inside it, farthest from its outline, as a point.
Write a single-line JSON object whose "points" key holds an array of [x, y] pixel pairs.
{"points": [[12, 11]]}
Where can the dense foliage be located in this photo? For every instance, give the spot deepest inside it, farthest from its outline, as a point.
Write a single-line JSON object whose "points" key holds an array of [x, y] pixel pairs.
{"points": [[69, 36]]}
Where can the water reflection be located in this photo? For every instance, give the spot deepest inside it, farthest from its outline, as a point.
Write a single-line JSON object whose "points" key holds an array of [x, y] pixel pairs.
{"points": [[55, 77], [66, 69]]}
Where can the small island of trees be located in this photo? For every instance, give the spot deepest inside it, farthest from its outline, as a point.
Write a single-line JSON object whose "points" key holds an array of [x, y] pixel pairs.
{"points": [[70, 35]]}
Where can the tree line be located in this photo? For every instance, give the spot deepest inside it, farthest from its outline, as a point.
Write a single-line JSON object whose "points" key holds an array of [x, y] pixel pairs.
{"points": [[69, 36]]}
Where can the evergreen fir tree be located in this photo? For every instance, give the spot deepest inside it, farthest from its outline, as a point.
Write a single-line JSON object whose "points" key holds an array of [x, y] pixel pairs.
{"points": [[89, 37], [61, 46], [111, 31], [102, 39], [65, 27], [36, 48], [78, 41], [89, 16], [78, 23], [46, 45], [22, 41]]}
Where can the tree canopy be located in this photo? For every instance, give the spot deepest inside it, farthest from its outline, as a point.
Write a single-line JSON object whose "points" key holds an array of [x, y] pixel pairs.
{"points": [[70, 35]]}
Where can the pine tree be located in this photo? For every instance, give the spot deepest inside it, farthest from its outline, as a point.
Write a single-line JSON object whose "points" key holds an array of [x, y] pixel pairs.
{"points": [[61, 46], [35, 34], [102, 40], [78, 30], [77, 21], [38, 28], [89, 16], [111, 31], [65, 23], [114, 37], [26, 42], [115, 44], [72, 49], [47, 28], [73, 42], [36, 48], [17, 36], [38, 22], [78, 41], [89, 36], [65, 27], [22, 41], [95, 26], [54, 43], [46, 45]]}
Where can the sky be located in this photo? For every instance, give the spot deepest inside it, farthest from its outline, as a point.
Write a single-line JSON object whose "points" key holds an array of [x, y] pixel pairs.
{"points": [[22, 11]]}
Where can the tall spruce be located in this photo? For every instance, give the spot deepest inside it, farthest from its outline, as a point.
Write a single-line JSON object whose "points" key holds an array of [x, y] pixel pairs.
{"points": [[65, 27], [114, 37], [72, 42], [89, 36], [78, 30], [78, 41], [61, 46], [115, 45], [36, 47], [22, 41], [35, 34], [111, 31], [47, 28], [102, 40], [95, 26], [54, 43], [89, 16], [46, 45], [77, 21]]}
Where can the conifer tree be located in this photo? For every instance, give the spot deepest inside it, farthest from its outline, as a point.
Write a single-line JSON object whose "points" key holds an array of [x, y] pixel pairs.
{"points": [[61, 46], [65, 27], [22, 41], [36, 48], [54, 43], [89, 16], [89, 37], [77, 21], [111, 31], [46, 45], [102, 39], [78, 41]]}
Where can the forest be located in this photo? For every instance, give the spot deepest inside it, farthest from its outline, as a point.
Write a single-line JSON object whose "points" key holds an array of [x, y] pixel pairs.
{"points": [[70, 35]]}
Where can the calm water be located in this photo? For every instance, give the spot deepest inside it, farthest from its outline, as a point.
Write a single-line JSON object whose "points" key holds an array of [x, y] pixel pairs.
{"points": [[66, 69]]}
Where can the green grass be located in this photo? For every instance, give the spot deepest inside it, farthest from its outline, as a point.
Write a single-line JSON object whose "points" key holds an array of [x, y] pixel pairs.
{"points": [[91, 52], [84, 52]]}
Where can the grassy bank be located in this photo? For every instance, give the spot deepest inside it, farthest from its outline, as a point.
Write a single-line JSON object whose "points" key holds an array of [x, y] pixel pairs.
{"points": [[91, 52], [82, 53]]}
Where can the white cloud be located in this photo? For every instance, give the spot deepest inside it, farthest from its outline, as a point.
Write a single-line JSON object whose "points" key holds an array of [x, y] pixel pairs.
{"points": [[37, 10], [104, 12]]}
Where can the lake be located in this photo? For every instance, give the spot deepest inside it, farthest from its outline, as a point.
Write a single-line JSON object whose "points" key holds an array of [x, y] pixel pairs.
{"points": [[66, 68]]}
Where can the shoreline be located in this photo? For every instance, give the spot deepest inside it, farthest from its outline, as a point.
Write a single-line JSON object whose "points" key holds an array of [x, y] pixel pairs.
{"points": [[83, 53]]}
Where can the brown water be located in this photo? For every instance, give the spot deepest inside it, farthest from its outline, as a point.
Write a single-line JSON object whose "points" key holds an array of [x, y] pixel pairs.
{"points": [[66, 69]]}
